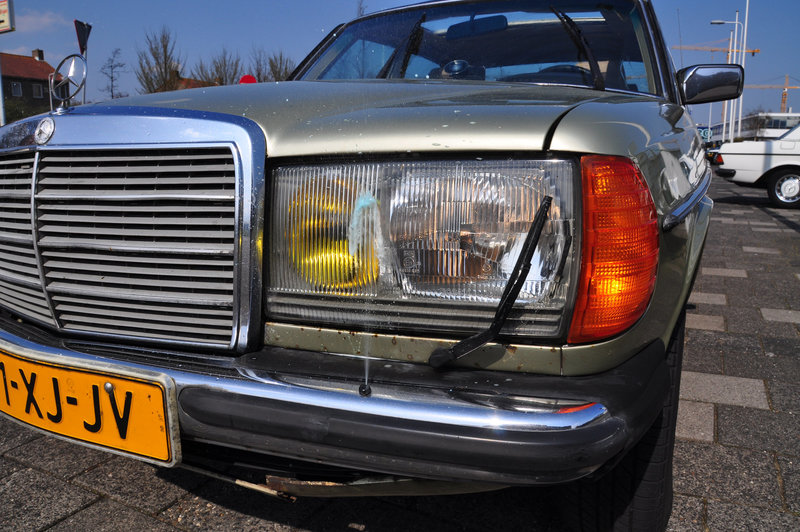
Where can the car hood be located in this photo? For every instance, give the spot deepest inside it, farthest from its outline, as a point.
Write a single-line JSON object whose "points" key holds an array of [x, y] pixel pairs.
{"points": [[313, 118]]}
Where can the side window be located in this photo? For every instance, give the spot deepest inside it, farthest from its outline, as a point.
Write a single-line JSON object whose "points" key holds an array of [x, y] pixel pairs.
{"points": [[362, 60], [636, 77], [16, 89]]}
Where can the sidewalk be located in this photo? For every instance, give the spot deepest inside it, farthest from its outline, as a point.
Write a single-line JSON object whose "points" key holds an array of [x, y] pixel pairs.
{"points": [[737, 459]]}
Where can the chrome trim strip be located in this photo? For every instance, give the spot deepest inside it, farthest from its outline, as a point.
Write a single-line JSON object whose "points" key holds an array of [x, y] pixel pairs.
{"points": [[679, 213], [35, 237]]}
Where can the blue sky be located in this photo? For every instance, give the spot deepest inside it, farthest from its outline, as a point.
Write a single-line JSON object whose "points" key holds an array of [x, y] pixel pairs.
{"points": [[202, 28]]}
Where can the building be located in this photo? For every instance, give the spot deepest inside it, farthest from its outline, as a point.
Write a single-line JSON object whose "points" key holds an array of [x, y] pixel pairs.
{"points": [[759, 126], [25, 84]]}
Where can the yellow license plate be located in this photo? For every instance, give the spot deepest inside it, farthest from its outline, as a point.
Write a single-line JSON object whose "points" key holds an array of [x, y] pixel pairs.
{"points": [[116, 412]]}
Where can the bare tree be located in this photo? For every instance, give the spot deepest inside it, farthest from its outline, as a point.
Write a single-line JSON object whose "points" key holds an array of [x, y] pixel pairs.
{"points": [[112, 69], [224, 69], [361, 8], [270, 67], [160, 66]]}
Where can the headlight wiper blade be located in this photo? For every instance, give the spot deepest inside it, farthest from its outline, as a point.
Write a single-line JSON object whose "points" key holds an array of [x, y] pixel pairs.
{"points": [[583, 46], [445, 355]]}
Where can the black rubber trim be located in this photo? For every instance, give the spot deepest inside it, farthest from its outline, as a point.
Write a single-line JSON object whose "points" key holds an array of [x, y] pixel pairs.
{"points": [[632, 392], [726, 173]]}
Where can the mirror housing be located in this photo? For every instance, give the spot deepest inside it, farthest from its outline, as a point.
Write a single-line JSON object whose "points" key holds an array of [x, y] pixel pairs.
{"points": [[710, 83]]}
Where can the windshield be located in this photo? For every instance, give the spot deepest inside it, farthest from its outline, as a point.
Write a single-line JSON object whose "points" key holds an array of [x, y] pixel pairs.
{"points": [[587, 43]]}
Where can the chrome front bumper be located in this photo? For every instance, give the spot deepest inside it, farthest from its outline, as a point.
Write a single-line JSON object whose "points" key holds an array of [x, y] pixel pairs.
{"points": [[457, 426]]}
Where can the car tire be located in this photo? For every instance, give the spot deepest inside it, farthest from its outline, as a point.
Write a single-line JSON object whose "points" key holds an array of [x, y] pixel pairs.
{"points": [[783, 188], [637, 493]]}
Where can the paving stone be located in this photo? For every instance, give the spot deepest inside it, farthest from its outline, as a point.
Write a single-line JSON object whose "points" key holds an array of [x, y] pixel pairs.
{"points": [[767, 229], [790, 473], [729, 221], [140, 485], [110, 516], [785, 396], [723, 389], [756, 429], [7, 467], [709, 299], [746, 297], [447, 513], [695, 421], [220, 505], [32, 500], [705, 322], [723, 272], [769, 366], [688, 514], [13, 434], [512, 509], [743, 320], [761, 251], [742, 476], [702, 352], [782, 346], [726, 516], [787, 316], [58, 457]]}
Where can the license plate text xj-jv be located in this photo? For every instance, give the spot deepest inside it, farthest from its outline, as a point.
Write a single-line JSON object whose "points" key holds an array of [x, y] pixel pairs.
{"points": [[116, 412]]}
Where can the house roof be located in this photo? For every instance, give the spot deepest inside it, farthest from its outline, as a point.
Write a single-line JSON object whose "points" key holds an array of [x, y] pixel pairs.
{"points": [[189, 83], [23, 66]]}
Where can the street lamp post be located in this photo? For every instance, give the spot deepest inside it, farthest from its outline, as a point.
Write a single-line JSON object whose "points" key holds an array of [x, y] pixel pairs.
{"points": [[736, 48]]}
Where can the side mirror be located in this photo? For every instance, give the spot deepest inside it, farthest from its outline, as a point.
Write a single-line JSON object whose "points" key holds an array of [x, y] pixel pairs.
{"points": [[710, 83]]}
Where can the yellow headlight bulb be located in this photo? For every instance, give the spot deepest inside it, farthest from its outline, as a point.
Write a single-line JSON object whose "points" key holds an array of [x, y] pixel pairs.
{"points": [[322, 214]]}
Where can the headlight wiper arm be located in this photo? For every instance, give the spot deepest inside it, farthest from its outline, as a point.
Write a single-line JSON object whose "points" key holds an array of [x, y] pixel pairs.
{"points": [[445, 355], [583, 47]]}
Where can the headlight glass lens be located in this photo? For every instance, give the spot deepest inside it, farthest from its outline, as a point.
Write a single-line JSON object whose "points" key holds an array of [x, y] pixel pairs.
{"points": [[399, 245]]}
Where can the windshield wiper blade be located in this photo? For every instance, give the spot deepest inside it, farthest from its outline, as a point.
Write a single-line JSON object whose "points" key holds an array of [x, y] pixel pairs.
{"points": [[583, 47], [409, 47], [446, 355]]}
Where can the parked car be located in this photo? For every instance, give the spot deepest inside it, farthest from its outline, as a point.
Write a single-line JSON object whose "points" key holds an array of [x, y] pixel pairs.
{"points": [[452, 254], [770, 164], [712, 155]]}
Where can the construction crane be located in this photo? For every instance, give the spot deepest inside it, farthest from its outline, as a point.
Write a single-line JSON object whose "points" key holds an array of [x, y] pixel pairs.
{"points": [[784, 94], [712, 49]]}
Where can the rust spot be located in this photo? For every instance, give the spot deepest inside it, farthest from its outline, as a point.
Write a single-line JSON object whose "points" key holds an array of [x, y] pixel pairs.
{"points": [[410, 357], [394, 340], [553, 350], [375, 335], [519, 368], [511, 349], [302, 329]]}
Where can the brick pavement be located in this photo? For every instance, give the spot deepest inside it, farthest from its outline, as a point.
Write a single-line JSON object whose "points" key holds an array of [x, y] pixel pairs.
{"points": [[737, 458]]}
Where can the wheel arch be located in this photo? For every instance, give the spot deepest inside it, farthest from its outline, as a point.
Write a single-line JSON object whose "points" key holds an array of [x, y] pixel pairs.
{"points": [[763, 181]]}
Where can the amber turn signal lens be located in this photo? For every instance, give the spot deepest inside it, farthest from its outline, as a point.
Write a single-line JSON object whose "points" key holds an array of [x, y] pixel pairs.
{"points": [[620, 249]]}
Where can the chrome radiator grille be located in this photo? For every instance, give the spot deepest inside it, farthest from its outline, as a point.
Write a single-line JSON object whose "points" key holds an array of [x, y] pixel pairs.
{"points": [[128, 242], [20, 283]]}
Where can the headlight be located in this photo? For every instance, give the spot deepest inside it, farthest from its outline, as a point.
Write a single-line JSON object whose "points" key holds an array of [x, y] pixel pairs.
{"points": [[422, 246]]}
